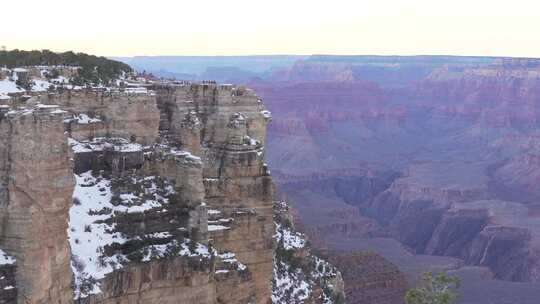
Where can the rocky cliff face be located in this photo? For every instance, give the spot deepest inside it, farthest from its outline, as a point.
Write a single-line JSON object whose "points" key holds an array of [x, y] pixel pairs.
{"points": [[227, 128], [151, 196], [485, 232], [37, 186]]}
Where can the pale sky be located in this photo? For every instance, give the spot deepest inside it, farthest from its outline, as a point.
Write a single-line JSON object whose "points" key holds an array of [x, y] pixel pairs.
{"points": [[257, 27]]}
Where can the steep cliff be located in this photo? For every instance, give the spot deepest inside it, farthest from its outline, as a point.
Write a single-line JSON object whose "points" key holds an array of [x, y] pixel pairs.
{"points": [[226, 126], [37, 187], [299, 276], [155, 194], [191, 155]]}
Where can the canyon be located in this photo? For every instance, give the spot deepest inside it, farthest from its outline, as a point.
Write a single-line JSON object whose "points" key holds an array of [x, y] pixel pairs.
{"points": [[374, 170], [428, 163]]}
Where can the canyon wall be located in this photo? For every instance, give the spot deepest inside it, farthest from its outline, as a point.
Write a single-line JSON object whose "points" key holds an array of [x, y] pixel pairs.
{"points": [[38, 184], [227, 128], [156, 196]]}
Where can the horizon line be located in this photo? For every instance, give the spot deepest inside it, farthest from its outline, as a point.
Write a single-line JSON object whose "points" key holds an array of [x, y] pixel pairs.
{"points": [[331, 55], [290, 55]]}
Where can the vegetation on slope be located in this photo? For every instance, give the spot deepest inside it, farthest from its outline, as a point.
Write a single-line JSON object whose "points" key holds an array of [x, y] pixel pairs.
{"points": [[434, 289], [94, 69]]}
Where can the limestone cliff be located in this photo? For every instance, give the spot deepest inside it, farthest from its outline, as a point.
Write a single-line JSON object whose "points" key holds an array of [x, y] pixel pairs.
{"points": [[226, 126], [153, 195], [36, 196]]}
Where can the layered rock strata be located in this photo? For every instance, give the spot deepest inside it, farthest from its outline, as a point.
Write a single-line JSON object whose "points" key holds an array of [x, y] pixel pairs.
{"points": [[186, 161], [37, 186], [117, 197], [226, 126]]}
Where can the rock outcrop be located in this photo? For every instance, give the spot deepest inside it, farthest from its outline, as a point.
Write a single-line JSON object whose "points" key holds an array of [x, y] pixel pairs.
{"points": [[205, 176], [226, 126], [152, 195], [37, 184]]}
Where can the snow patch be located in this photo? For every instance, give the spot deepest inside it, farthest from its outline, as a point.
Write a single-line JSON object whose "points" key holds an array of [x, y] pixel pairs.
{"points": [[266, 114], [291, 239], [6, 259], [251, 141], [230, 258], [185, 155], [213, 211], [83, 119], [289, 285], [180, 249], [101, 143], [137, 90], [217, 227], [89, 232], [7, 86]]}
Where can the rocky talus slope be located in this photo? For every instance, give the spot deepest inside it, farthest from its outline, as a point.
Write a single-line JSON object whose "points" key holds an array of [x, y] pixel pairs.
{"points": [[369, 277], [155, 196], [299, 276]]}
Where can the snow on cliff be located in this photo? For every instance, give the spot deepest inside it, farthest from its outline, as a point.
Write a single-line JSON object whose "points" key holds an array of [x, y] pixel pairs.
{"points": [[6, 259], [297, 272], [92, 228]]}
